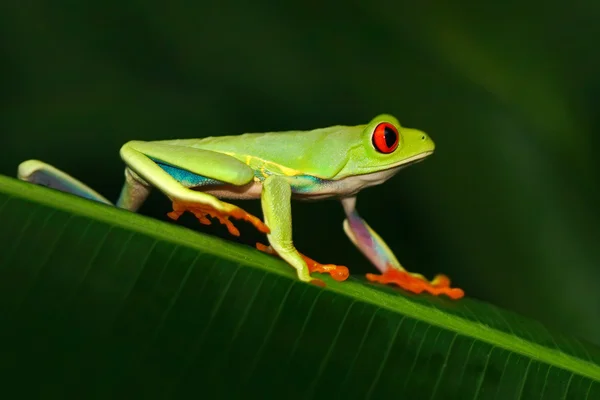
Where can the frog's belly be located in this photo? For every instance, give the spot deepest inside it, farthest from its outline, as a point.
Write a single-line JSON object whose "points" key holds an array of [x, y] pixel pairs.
{"points": [[254, 190], [304, 187]]}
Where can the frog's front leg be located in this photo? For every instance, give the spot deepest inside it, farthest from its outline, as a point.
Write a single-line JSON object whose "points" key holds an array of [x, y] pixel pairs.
{"points": [[276, 205], [375, 249]]}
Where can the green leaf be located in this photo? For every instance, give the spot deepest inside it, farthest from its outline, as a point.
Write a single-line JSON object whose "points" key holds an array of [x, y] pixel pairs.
{"points": [[97, 301]]}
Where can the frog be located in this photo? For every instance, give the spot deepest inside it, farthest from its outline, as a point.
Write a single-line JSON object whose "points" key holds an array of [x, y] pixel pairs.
{"points": [[336, 162]]}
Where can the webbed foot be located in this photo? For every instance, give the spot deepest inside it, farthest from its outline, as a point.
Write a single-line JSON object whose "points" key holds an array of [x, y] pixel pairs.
{"points": [[417, 283], [202, 211]]}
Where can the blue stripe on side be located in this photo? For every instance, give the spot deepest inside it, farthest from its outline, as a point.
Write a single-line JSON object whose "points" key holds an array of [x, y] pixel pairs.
{"points": [[187, 178], [303, 184]]}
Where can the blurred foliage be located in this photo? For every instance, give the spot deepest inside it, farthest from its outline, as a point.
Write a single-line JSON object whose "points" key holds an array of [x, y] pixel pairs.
{"points": [[507, 207]]}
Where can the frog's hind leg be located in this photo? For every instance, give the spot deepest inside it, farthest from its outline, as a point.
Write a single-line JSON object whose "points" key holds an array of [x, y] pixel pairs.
{"points": [[175, 169], [40, 173]]}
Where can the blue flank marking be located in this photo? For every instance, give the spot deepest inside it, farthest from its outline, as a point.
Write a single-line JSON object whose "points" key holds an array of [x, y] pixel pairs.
{"points": [[300, 184], [303, 184], [187, 178]]}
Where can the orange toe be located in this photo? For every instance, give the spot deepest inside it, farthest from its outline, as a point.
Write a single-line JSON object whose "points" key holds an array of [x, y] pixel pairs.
{"points": [[338, 272]]}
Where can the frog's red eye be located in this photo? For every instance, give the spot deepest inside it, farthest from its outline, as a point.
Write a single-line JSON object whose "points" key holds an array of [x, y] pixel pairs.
{"points": [[385, 138]]}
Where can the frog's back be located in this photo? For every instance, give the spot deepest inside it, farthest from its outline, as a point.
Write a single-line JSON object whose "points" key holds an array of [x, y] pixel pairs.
{"points": [[320, 152]]}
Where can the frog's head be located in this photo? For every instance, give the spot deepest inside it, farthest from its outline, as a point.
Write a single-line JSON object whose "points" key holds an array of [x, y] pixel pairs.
{"points": [[385, 145]]}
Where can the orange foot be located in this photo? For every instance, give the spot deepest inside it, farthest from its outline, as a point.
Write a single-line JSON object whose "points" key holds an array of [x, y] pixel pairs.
{"points": [[201, 211], [439, 285], [337, 272]]}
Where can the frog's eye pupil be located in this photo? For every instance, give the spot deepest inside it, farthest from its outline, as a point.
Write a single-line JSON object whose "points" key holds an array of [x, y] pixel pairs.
{"points": [[385, 138], [390, 137]]}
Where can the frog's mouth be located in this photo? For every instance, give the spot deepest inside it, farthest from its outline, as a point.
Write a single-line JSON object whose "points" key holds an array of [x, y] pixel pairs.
{"points": [[412, 160], [395, 166]]}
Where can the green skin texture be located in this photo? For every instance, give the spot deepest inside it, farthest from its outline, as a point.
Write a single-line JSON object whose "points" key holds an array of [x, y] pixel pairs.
{"points": [[334, 162]]}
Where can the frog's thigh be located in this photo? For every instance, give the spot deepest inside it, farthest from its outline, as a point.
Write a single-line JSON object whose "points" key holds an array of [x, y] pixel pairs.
{"points": [[207, 163], [142, 158], [275, 199]]}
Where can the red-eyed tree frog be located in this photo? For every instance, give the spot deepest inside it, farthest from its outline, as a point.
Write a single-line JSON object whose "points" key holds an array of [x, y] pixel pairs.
{"points": [[334, 162]]}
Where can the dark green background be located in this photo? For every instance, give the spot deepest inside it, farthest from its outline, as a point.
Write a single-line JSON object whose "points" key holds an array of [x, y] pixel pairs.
{"points": [[508, 205]]}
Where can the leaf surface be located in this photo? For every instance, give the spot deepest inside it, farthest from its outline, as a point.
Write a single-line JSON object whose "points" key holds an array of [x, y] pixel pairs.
{"points": [[100, 301]]}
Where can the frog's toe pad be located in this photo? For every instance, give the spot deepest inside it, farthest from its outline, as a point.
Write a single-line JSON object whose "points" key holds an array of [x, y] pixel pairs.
{"points": [[438, 286]]}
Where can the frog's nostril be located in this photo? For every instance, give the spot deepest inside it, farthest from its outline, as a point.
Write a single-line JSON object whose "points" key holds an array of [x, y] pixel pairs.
{"points": [[423, 137]]}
